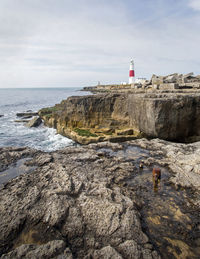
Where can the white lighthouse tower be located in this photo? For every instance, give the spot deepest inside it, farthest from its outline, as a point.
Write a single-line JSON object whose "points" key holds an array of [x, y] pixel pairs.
{"points": [[131, 73]]}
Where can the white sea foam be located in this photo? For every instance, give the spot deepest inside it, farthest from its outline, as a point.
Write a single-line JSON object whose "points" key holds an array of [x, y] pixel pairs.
{"points": [[17, 134], [53, 141]]}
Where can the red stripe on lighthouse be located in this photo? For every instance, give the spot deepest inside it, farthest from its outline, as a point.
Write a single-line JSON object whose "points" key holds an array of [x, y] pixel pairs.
{"points": [[131, 73]]}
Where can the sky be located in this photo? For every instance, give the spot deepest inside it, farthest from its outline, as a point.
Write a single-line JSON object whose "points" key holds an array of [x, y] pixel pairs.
{"points": [[67, 43]]}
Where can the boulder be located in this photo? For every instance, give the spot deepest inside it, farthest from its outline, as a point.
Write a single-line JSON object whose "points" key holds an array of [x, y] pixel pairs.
{"points": [[171, 78], [188, 75], [125, 132], [168, 86], [35, 122], [1, 115], [25, 114], [107, 252], [157, 80], [21, 121]]}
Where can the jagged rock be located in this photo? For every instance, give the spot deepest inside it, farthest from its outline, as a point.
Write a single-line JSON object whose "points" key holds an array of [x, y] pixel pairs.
{"points": [[24, 114], [125, 132], [131, 250], [174, 78], [27, 117], [21, 121], [53, 249], [79, 194], [171, 78], [90, 119], [189, 74], [107, 252], [168, 86], [35, 122], [170, 116], [10, 155], [59, 199], [156, 80]]}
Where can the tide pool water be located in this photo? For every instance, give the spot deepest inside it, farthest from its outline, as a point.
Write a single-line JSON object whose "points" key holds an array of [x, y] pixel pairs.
{"points": [[13, 101]]}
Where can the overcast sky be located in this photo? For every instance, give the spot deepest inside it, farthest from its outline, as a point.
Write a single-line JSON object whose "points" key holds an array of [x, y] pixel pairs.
{"points": [[63, 43]]}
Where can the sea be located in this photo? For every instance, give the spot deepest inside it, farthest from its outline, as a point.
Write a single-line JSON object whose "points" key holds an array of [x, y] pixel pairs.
{"points": [[16, 100]]}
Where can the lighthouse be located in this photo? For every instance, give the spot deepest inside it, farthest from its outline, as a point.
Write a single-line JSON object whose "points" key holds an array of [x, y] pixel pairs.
{"points": [[131, 73]]}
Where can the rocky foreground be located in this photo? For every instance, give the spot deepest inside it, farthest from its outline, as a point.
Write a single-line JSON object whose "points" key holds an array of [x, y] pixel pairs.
{"points": [[95, 202]]}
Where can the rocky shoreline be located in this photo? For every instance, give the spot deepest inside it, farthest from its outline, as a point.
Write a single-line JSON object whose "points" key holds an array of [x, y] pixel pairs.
{"points": [[95, 201], [100, 200], [121, 116]]}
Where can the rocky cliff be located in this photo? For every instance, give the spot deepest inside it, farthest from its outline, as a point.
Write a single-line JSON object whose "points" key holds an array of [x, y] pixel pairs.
{"points": [[170, 116], [121, 116], [91, 118]]}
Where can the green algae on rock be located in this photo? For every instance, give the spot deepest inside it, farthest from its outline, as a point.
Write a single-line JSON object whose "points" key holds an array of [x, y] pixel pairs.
{"points": [[124, 116], [90, 119]]}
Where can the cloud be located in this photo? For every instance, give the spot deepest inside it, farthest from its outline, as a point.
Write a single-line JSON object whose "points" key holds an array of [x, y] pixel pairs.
{"points": [[68, 43], [194, 4]]}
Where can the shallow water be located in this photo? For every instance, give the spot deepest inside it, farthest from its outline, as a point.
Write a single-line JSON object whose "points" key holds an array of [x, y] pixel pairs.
{"points": [[168, 216], [130, 153], [169, 219], [15, 170]]}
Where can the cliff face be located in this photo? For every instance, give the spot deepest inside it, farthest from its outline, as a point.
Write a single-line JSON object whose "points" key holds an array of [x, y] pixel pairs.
{"points": [[166, 116], [90, 111], [129, 115], [91, 118]]}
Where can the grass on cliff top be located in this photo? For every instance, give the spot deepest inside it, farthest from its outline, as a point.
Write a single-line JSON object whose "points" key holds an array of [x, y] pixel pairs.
{"points": [[84, 133], [48, 110]]}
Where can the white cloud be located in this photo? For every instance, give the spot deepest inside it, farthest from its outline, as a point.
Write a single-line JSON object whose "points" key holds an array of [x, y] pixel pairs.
{"points": [[65, 43], [195, 4]]}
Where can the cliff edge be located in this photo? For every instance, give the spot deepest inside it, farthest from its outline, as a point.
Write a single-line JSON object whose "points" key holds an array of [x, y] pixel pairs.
{"points": [[123, 116]]}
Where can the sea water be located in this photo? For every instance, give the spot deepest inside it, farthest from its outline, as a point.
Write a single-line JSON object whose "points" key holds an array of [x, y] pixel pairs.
{"points": [[13, 101]]}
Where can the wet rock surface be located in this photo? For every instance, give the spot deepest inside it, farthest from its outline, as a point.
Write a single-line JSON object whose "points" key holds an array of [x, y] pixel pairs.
{"points": [[10, 155], [96, 202], [35, 122], [26, 114]]}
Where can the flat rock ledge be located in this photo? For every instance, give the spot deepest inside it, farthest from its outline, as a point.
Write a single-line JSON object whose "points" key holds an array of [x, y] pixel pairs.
{"points": [[172, 116], [75, 203]]}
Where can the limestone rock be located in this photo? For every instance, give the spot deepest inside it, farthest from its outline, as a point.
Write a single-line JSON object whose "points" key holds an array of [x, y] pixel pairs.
{"points": [[25, 114], [125, 132], [72, 194], [169, 116], [171, 78], [53, 249], [77, 201], [35, 122], [107, 253], [156, 80], [22, 121], [131, 250]]}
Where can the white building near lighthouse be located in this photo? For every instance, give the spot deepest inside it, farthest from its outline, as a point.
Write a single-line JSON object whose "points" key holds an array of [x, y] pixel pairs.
{"points": [[131, 73]]}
